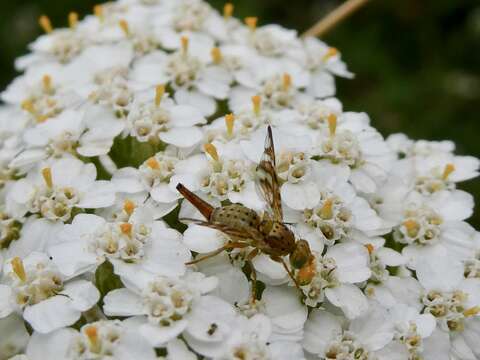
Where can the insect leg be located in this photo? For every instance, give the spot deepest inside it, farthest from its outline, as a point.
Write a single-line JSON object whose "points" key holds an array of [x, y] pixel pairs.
{"points": [[253, 273], [280, 260], [228, 246]]}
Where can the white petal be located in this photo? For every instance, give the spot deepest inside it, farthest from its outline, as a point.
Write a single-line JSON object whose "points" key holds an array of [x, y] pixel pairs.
{"points": [[163, 194], [178, 350], [83, 294], [320, 328], [51, 314], [202, 239], [233, 285], [437, 346], [284, 308], [351, 260], [160, 335], [373, 328], [182, 137], [128, 180], [439, 273], [186, 116], [122, 302], [133, 346], [101, 194], [5, 298], [349, 298], [203, 102], [72, 258], [166, 253], [300, 196], [53, 346], [269, 271], [390, 257], [322, 85]]}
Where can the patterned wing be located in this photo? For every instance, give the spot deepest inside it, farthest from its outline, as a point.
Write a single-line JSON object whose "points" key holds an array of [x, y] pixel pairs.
{"points": [[267, 179], [227, 230]]}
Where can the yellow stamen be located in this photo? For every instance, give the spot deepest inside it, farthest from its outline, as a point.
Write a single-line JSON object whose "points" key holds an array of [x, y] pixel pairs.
{"points": [[92, 335], [412, 227], [185, 42], [47, 83], [287, 81], [216, 55], [472, 311], [326, 212], [129, 207], [126, 229], [153, 163], [47, 177], [257, 104], [331, 52], [251, 22], [370, 248], [45, 24], [449, 168], [332, 124], [98, 11], [42, 118], [73, 20], [124, 26], [18, 269], [229, 122], [211, 150], [28, 105], [159, 92], [228, 10]]}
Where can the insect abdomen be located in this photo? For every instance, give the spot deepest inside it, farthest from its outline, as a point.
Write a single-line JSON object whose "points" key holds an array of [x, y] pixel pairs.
{"points": [[236, 216]]}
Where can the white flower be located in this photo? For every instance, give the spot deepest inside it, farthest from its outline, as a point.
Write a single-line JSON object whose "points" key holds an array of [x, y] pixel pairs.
{"points": [[335, 276], [333, 211], [411, 328], [434, 226], [153, 118], [323, 61], [155, 176], [351, 142], [48, 301], [325, 336], [55, 190], [135, 247], [248, 340], [449, 297], [160, 306], [97, 340], [211, 325], [184, 70], [72, 133]]}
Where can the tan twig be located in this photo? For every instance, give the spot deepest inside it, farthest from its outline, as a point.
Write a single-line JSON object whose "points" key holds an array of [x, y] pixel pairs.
{"points": [[336, 16]]}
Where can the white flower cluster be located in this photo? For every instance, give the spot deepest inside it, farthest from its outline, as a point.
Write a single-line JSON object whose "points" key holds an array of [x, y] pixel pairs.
{"points": [[113, 112]]}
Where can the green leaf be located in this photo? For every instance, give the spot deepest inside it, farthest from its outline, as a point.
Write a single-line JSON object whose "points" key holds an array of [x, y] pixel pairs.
{"points": [[172, 220], [106, 280]]}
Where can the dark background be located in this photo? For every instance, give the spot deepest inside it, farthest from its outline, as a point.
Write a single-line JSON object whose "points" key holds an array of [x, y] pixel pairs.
{"points": [[417, 61]]}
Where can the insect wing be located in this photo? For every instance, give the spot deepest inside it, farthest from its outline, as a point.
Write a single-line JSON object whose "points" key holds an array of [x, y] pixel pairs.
{"points": [[267, 179], [228, 230]]}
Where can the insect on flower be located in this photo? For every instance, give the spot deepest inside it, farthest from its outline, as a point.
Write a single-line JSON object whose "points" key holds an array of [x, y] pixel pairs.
{"points": [[266, 234]]}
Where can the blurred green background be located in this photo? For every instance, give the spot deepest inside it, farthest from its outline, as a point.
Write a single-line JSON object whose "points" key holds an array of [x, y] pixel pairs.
{"points": [[417, 62]]}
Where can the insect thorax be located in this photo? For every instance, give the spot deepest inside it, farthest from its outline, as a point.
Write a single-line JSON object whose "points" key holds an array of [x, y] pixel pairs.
{"points": [[236, 216], [278, 238]]}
